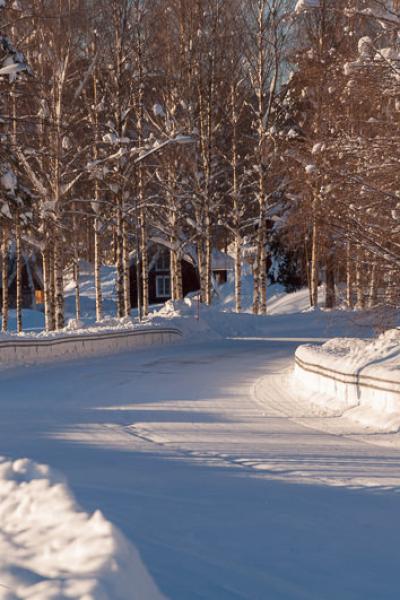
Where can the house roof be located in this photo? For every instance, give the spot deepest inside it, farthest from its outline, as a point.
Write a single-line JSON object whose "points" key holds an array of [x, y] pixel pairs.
{"points": [[220, 261]]}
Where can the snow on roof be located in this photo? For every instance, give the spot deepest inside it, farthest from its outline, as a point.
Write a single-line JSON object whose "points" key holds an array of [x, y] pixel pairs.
{"points": [[304, 4], [221, 261]]}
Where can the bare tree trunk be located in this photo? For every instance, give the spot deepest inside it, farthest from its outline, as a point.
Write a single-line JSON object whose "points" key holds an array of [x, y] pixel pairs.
{"points": [[77, 290], [119, 283], [179, 279], [143, 239], [350, 275], [330, 295], [267, 36], [76, 267], [18, 277], [260, 271], [391, 288], [360, 279], [58, 280], [308, 269], [173, 263], [263, 275], [315, 258], [259, 292], [256, 284], [52, 289], [97, 270], [114, 245], [238, 273], [126, 268], [97, 222], [373, 286], [200, 266], [4, 278], [208, 262], [48, 297], [145, 262]]}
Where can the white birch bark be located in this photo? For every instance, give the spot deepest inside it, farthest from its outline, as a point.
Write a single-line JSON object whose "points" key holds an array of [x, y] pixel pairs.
{"points": [[77, 290], [238, 273], [144, 261], [119, 283], [97, 270], [350, 275], [126, 268], [47, 291], [179, 280], [314, 276], [97, 221], [4, 278], [18, 276], [76, 266], [208, 260], [173, 274], [52, 287], [58, 281], [373, 285], [236, 203], [360, 266]]}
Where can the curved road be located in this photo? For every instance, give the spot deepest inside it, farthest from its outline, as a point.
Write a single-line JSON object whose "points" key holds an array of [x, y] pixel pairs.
{"points": [[230, 483]]}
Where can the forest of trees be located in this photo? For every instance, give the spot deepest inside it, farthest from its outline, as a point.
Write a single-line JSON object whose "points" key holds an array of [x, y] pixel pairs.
{"points": [[265, 126]]}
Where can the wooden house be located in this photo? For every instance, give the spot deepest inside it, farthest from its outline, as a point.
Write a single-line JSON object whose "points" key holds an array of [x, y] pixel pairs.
{"points": [[32, 282], [160, 276]]}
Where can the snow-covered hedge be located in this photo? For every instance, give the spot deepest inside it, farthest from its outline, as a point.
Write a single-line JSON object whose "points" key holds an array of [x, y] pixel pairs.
{"points": [[33, 350], [51, 549], [362, 374]]}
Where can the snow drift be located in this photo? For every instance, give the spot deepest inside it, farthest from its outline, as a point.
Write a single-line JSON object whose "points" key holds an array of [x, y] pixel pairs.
{"points": [[50, 549], [362, 374]]}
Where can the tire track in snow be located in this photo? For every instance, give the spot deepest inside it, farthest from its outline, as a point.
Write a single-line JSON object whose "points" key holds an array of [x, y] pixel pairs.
{"points": [[312, 411]]}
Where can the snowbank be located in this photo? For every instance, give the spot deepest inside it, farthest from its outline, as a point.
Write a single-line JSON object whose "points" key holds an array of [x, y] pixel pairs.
{"points": [[287, 314], [24, 349], [364, 374], [225, 295], [51, 549]]}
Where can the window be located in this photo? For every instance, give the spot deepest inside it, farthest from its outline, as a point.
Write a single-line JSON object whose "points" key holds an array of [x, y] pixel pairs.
{"points": [[162, 262], [163, 286]]}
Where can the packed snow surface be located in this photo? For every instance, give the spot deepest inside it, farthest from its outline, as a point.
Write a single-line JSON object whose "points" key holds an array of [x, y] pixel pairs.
{"points": [[51, 549]]}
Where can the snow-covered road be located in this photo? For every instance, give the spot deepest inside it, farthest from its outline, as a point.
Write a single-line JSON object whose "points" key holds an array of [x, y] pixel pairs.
{"points": [[227, 479]]}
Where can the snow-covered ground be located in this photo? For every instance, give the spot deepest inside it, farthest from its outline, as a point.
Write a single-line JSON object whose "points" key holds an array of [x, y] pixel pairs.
{"points": [[230, 478], [88, 292], [229, 482], [197, 322], [50, 549]]}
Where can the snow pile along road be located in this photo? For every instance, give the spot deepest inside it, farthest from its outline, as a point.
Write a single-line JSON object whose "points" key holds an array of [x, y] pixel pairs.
{"points": [[50, 549], [361, 375]]}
